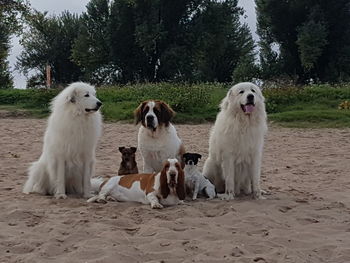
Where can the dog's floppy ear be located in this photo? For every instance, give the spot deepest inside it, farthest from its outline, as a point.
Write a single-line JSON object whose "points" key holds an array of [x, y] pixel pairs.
{"points": [[224, 102], [185, 155], [133, 149], [164, 188], [121, 149], [180, 187], [138, 112], [198, 155], [72, 96], [166, 113]]}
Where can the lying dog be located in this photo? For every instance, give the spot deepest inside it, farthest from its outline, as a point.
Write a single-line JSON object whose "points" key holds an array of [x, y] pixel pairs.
{"points": [[194, 179], [164, 188], [128, 164]]}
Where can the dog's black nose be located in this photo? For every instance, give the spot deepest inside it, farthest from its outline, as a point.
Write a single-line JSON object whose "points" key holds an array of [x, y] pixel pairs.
{"points": [[250, 97], [99, 103], [150, 118]]}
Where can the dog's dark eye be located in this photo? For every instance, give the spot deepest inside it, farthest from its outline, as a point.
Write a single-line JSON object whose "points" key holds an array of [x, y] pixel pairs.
{"points": [[253, 90], [87, 95], [241, 92]]}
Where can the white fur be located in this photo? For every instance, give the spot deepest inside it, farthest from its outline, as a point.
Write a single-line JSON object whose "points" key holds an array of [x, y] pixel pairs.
{"points": [[236, 144], [195, 180], [67, 161], [112, 190], [158, 145]]}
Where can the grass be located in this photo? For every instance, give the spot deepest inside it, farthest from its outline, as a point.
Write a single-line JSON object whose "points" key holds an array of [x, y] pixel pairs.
{"points": [[313, 106]]}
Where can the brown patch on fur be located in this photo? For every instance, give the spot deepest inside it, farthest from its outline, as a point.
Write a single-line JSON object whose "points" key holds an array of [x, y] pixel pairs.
{"points": [[164, 188], [180, 187], [181, 152], [146, 181], [166, 112], [138, 113], [164, 115]]}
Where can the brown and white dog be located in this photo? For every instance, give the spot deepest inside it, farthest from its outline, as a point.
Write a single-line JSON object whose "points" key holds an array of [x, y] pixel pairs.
{"points": [[164, 188], [157, 138], [128, 164]]}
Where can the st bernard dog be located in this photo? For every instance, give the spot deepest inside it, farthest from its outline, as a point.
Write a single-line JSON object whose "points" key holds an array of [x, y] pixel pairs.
{"points": [[236, 143], [157, 137]]}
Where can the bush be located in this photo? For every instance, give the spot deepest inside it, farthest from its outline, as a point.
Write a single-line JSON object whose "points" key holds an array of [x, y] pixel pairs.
{"points": [[199, 102], [195, 103]]}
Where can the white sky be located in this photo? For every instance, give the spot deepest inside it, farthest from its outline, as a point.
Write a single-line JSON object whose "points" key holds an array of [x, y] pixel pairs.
{"points": [[78, 6]]}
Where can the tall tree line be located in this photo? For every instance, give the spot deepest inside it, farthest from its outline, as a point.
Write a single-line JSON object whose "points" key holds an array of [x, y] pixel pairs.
{"points": [[140, 40], [313, 37], [120, 41], [12, 13]]}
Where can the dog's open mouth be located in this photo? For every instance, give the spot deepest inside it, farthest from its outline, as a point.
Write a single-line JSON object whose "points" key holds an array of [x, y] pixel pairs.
{"points": [[91, 110], [248, 108]]}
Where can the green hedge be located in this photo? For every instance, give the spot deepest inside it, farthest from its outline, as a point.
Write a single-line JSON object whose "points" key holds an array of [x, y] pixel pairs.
{"points": [[199, 102]]}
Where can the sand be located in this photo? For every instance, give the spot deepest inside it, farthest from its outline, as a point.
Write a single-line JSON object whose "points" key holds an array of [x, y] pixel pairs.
{"points": [[306, 217]]}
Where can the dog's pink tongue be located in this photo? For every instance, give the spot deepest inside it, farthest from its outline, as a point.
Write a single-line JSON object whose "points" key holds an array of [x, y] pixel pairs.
{"points": [[248, 108]]}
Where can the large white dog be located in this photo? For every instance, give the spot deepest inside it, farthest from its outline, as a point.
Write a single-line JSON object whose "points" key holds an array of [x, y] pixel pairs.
{"points": [[236, 143], [67, 161]]}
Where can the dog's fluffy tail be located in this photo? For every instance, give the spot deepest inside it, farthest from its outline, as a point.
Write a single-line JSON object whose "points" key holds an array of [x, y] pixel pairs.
{"points": [[96, 183], [37, 179]]}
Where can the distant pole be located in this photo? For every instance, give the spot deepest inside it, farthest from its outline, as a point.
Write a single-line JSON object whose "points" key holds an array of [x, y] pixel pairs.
{"points": [[48, 76]]}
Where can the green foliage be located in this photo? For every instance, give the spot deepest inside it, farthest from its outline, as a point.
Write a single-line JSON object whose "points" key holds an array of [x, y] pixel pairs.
{"points": [[49, 40], [309, 106], [11, 21], [344, 105], [154, 41], [193, 103], [312, 37], [29, 98], [186, 100]]}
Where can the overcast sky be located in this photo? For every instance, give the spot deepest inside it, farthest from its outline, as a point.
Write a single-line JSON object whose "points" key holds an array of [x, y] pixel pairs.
{"points": [[78, 6]]}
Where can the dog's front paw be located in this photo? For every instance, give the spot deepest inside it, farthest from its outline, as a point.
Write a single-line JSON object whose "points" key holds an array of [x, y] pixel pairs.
{"points": [[257, 195], [181, 202], [88, 196], [111, 198], [101, 200], [60, 196], [264, 192], [156, 206], [226, 197]]}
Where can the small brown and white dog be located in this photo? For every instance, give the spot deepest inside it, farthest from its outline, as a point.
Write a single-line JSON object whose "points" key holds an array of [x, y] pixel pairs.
{"points": [[164, 188], [157, 137], [128, 164]]}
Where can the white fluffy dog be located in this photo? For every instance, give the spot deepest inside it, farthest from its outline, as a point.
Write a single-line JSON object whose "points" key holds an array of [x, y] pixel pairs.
{"points": [[67, 161], [236, 143]]}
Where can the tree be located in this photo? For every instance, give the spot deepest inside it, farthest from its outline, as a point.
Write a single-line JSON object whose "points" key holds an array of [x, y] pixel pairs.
{"points": [[163, 40], [313, 39], [49, 41], [221, 41], [12, 13], [91, 49]]}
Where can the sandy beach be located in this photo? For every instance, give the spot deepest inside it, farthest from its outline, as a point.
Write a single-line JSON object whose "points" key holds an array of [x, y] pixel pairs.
{"points": [[305, 218]]}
